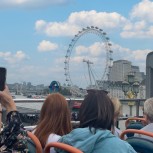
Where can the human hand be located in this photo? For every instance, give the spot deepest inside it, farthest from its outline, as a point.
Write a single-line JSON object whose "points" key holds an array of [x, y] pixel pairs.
{"points": [[7, 100]]}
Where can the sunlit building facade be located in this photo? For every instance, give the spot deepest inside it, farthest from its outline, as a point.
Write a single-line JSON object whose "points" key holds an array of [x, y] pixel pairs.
{"points": [[118, 73]]}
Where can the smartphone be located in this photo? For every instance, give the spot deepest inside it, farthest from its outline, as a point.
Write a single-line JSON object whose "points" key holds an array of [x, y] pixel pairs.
{"points": [[2, 78]]}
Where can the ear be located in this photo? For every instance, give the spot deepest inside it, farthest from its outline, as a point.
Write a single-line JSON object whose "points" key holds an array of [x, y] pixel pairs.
{"points": [[146, 118]]}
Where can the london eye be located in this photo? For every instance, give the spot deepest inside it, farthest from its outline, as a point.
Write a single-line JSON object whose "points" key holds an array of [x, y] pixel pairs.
{"points": [[88, 59]]}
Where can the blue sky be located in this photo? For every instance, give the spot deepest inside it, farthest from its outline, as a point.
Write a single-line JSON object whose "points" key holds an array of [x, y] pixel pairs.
{"points": [[35, 35]]}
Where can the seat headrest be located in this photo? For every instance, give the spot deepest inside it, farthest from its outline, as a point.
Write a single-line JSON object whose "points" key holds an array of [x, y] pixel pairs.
{"points": [[141, 145]]}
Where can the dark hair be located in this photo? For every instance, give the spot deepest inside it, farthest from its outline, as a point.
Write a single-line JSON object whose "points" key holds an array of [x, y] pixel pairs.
{"points": [[97, 111]]}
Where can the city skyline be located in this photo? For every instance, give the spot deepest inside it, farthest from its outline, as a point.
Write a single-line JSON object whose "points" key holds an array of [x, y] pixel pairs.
{"points": [[35, 35]]}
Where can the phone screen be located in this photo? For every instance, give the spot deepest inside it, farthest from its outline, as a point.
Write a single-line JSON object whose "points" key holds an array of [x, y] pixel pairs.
{"points": [[2, 78]]}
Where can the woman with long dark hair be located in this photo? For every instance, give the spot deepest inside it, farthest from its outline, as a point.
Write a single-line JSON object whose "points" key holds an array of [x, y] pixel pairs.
{"points": [[96, 121]]}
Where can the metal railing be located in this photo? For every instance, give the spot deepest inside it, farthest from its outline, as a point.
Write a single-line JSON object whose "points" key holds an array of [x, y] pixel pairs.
{"points": [[25, 110], [138, 102]]}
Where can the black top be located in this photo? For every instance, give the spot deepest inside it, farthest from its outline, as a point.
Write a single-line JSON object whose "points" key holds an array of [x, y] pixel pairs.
{"points": [[13, 137]]}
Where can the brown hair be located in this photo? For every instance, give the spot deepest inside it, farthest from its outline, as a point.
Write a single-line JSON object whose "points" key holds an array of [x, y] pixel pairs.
{"points": [[97, 111], [54, 118]]}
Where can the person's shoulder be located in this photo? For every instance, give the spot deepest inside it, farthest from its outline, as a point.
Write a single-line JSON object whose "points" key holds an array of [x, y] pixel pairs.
{"points": [[112, 144], [123, 145], [148, 127], [53, 138], [117, 141]]}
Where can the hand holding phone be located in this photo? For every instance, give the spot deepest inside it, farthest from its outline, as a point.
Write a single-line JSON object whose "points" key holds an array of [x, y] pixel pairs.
{"points": [[2, 78], [6, 100]]}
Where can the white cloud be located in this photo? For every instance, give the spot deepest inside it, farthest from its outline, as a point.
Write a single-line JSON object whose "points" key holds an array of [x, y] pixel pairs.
{"points": [[59, 61], [55, 28], [137, 26], [77, 59], [130, 28], [134, 29], [138, 58], [150, 31], [140, 55], [30, 3], [95, 49], [81, 50], [36, 71], [20, 55], [13, 58], [143, 10], [32, 70], [101, 19], [135, 34], [45, 46], [40, 25], [61, 29], [119, 49], [76, 20], [140, 22]]}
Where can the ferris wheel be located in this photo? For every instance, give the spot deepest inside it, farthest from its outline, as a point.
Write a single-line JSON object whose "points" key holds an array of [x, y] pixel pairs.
{"points": [[91, 47]]}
